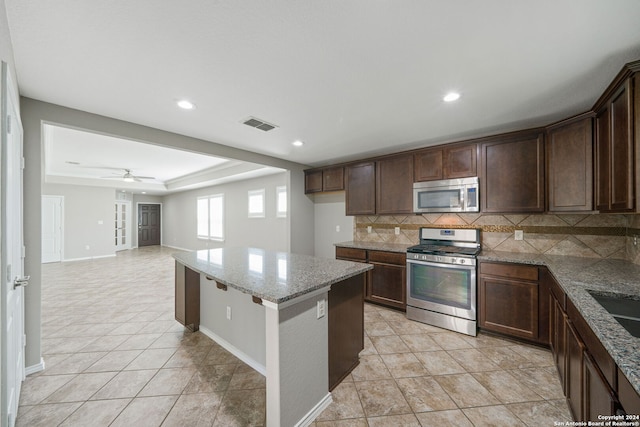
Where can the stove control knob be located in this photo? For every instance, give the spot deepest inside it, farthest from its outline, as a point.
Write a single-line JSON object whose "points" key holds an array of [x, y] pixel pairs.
{"points": [[462, 261]]}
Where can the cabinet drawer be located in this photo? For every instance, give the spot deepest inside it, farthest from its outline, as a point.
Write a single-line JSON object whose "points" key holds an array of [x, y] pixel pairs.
{"points": [[388, 257], [351, 253], [515, 271]]}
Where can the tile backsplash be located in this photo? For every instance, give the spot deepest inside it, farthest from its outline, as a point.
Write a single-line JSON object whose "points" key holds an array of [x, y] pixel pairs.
{"points": [[586, 235]]}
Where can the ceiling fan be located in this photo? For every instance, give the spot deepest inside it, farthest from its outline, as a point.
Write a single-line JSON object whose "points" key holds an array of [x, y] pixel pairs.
{"points": [[128, 176]]}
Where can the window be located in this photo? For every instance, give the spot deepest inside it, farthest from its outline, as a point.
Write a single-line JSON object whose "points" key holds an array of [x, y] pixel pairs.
{"points": [[210, 217], [256, 203], [281, 202]]}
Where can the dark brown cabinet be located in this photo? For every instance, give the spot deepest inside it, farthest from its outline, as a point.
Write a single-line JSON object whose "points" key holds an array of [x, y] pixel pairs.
{"points": [[321, 180], [394, 185], [573, 372], [386, 283], [187, 297], [598, 398], [569, 153], [512, 301], [512, 175], [360, 187], [615, 152], [345, 307], [455, 161]]}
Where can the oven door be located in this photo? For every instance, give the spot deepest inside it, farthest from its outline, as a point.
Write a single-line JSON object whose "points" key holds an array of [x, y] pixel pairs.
{"points": [[444, 288]]}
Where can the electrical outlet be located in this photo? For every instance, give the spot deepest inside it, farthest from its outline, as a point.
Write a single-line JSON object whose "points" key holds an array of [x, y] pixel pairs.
{"points": [[87, 247], [321, 308], [228, 312], [337, 228], [397, 230], [369, 229], [635, 240], [519, 235]]}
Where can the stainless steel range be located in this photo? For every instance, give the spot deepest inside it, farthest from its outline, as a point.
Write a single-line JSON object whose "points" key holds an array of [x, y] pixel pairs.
{"points": [[442, 279]]}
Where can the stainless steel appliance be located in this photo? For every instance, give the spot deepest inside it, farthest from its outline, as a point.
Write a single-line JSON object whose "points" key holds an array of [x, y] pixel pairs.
{"points": [[449, 195], [442, 279]]}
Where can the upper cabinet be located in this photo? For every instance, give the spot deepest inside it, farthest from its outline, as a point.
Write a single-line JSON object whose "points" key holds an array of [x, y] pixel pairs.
{"points": [[328, 179], [569, 153], [615, 151], [394, 185], [453, 161], [512, 178], [360, 188]]}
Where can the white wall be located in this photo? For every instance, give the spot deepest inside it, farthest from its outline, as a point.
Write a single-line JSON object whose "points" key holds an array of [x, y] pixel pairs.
{"points": [[179, 217], [88, 220], [330, 211]]}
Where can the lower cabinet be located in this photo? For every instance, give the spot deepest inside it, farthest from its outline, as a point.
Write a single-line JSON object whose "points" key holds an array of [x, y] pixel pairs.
{"points": [[573, 371], [513, 301], [386, 284]]}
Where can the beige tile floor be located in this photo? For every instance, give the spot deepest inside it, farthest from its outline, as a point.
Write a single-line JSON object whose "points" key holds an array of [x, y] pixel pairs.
{"points": [[115, 356]]}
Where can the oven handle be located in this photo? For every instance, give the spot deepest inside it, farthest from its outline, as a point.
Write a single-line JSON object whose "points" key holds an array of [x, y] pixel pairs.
{"points": [[440, 264]]}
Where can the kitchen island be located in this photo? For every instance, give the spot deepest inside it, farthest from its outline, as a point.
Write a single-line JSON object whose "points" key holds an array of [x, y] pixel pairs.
{"points": [[296, 319]]}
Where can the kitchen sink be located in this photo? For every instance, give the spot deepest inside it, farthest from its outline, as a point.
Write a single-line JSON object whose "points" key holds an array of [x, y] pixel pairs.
{"points": [[625, 310]]}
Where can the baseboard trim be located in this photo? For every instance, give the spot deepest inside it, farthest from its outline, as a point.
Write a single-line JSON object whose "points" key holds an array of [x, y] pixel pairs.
{"points": [[34, 368], [315, 411], [235, 351], [88, 258], [178, 248]]}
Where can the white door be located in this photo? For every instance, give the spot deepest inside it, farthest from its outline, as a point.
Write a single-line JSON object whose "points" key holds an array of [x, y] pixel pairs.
{"points": [[12, 275], [123, 225], [52, 228]]}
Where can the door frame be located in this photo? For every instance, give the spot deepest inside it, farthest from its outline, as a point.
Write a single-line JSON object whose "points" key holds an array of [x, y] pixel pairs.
{"points": [[61, 198], [161, 221]]}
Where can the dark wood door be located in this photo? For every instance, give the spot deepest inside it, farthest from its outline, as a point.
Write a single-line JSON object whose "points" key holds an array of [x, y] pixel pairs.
{"points": [[575, 351], [598, 397], [460, 161], [148, 224], [394, 185], [603, 160], [429, 165], [570, 166], [333, 179], [512, 178], [360, 186], [312, 181], [388, 280], [622, 150], [558, 339]]}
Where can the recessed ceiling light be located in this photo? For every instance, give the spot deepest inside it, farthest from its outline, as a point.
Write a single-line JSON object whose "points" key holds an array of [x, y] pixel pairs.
{"points": [[186, 105], [144, 192], [298, 143], [451, 96]]}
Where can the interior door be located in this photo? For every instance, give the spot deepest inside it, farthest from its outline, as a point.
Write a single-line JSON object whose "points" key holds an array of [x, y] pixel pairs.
{"points": [[123, 226], [52, 228], [148, 224], [12, 330]]}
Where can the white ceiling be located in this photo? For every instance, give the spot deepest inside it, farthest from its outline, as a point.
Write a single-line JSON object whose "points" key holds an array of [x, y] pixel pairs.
{"points": [[78, 157], [349, 78]]}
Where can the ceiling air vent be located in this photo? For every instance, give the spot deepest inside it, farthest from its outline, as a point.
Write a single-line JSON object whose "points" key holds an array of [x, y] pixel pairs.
{"points": [[259, 124]]}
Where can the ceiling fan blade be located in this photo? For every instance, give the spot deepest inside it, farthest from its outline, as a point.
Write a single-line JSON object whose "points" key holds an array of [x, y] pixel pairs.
{"points": [[112, 177], [144, 177]]}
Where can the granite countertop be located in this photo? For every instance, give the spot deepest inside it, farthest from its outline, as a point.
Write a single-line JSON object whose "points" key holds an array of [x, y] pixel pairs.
{"points": [[273, 276], [577, 276], [375, 246]]}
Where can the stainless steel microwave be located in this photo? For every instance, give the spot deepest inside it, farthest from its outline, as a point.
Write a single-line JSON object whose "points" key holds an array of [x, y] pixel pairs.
{"points": [[449, 195]]}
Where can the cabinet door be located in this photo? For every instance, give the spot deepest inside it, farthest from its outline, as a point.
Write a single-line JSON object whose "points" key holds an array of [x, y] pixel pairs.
{"points": [[312, 181], [558, 320], [360, 186], [187, 297], [428, 165], [509, 306], [512, 178], [387, 285], [570, 167], [622, 150], [575, 351], [394, 185], [603, 160], [333, 179], [460, 161], [598, 397]]}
